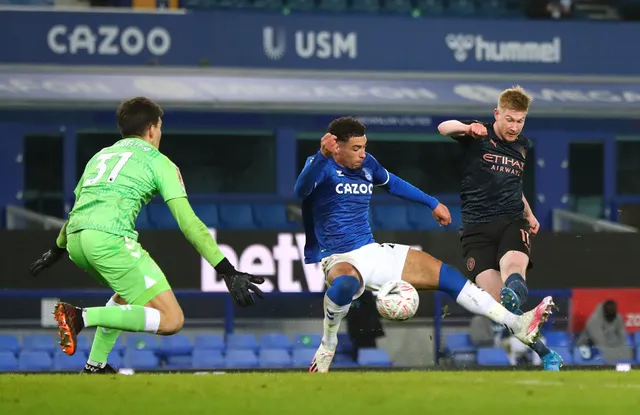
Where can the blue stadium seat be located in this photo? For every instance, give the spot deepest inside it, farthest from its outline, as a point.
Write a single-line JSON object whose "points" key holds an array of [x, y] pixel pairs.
{"points": [[557, 339], [343, 360], [345, 345], [39, 343], [636, 338], [596, 357], [332, 5], [274, 358], [160, 216], [9, 343], [397, 6], [208, 342], [30, 361], [143, 222], [391, 217], [565, 354], [119, 346], [115, 359], [207, 359], [629, 341], [140, 342], [302, 5], [458, 343], [242, 342], [8, 362], [638, 354], [275, 341], [303, 341], [462, 7], [179, 362], [83, 344], [373, 357], [176, 345], [208, 214], [272, 216], [241, 359], [141, 359], [492, 356], [430, 7], [65, 363], [366, 6], [302, 357], [236, 216]]}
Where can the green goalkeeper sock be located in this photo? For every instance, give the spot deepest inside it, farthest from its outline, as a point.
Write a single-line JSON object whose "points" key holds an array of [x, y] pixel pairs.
{"points": [[125, 317], [103, 341]]}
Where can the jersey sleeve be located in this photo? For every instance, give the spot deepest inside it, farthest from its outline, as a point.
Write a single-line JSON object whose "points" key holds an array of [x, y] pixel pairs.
{"points": [[76, 191], [311, 175], [466, 140], [168, 179], [379, 173]]}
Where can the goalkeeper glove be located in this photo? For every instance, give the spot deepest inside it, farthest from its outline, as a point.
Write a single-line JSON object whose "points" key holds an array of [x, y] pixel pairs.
{"points": [[239, 283], [46, 260]]}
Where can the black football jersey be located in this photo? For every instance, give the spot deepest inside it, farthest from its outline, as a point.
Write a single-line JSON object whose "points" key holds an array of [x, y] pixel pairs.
{"points": [[491, 186]]}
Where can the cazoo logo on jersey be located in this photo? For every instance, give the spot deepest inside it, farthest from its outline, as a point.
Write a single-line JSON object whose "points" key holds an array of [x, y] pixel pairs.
{"points": [[310, 44], [476, 47], [108, 40]]}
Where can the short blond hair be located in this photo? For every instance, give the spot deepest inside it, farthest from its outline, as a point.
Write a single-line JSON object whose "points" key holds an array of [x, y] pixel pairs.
{"points": [[515, 99]]}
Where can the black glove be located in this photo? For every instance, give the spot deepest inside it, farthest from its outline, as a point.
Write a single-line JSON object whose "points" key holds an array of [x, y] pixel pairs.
{"points": [[239, 283], [46, 260]]}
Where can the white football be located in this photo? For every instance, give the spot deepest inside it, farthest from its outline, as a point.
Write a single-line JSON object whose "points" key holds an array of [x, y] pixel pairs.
{"points": [[397, 300]]}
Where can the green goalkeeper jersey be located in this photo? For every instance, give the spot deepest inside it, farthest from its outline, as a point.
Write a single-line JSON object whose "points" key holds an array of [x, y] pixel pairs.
{"points": [[117, 181]]}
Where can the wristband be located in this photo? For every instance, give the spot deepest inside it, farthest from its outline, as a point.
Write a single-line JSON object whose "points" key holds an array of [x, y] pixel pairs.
{"points": [[224, 267]]}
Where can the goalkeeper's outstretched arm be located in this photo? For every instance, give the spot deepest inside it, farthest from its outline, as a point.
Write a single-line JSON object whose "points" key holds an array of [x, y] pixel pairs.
{"points": [[238, 283], [198, 235]]}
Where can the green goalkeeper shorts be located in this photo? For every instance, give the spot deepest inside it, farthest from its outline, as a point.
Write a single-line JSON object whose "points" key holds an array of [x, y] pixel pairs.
{"points": [[119, 262]]}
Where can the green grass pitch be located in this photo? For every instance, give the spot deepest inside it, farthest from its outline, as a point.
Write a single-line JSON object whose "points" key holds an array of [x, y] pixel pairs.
{"points": [[450, 393]]}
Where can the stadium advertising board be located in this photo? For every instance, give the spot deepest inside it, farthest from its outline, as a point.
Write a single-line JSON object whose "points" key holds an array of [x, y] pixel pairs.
{"points": [[313, 93], [336, 42], [585, 300], [561, 261]]}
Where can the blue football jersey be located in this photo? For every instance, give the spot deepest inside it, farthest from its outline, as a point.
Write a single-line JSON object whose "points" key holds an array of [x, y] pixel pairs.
{"points": [[336, 211]]}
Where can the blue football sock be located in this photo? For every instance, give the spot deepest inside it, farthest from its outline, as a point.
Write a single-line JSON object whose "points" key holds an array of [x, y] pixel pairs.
{"points": [[540, 348], [451, 281], [519, 286], [343, 289]]}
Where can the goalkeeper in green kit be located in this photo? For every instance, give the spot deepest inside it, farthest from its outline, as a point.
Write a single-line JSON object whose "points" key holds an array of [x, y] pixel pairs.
{"points": [[99, 237]]}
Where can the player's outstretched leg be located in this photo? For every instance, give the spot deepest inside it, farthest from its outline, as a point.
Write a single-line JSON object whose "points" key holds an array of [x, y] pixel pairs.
{"points": [[337, 301], [425, 272], [103, 343], [514, 294], [72, 320]]}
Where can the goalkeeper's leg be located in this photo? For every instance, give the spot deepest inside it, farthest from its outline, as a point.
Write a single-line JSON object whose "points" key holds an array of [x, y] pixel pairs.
{"points": [[103, 342], [149, 304]]}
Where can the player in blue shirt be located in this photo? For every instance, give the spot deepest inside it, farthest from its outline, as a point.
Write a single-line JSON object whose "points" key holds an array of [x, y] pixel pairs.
{"points": [[336, 185]]}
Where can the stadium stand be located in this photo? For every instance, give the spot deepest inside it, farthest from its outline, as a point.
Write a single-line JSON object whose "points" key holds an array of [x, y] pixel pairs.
{"points": [[459, 350], [34, 353], [29, 353]]}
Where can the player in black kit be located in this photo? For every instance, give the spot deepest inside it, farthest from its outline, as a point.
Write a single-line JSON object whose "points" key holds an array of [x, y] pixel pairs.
{"points": [[497, 220]]}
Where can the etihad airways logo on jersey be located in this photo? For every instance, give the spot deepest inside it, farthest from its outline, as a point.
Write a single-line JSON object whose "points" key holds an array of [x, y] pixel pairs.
{"points": [[354, 189], [504, 164]]}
